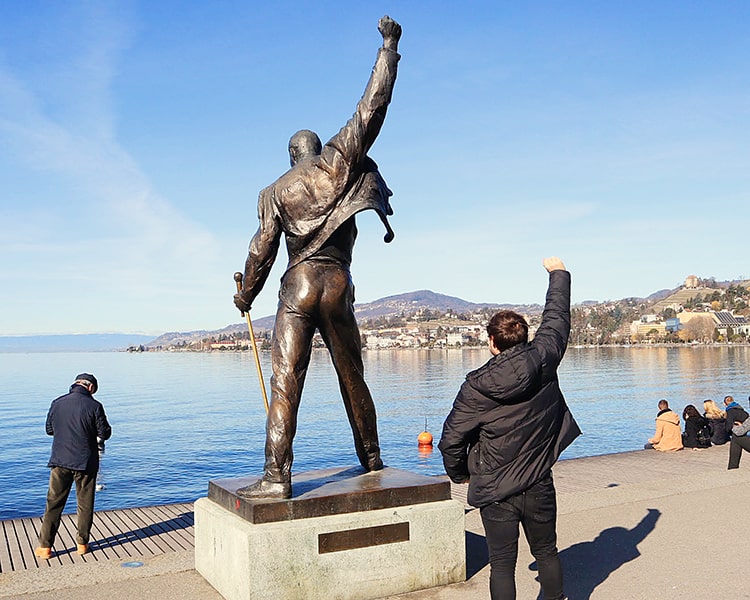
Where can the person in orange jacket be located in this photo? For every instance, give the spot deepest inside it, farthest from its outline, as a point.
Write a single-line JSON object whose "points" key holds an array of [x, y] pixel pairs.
{"points": [[668, 436]]}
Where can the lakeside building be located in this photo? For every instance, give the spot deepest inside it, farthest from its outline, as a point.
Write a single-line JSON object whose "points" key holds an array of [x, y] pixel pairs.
{"points": [[645, 329], [702, 324], [726, 322]]}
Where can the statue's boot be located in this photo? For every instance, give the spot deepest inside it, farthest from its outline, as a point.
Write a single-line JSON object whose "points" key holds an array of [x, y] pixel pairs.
{"points": [[266, 489], [374, 462]]}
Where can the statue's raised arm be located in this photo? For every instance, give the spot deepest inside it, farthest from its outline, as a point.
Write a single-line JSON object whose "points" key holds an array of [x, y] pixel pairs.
{"points": [[350, 145]]}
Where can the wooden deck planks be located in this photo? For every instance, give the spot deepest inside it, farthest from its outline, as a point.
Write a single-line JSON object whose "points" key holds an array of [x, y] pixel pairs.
{"points": [[173, 525], [177, 522], [16, 549], [6, 564], [110, 539], [116, 535], [137, 536]]}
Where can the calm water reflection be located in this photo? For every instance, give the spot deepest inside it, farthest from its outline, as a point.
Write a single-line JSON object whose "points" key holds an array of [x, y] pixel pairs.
{"points": [[181, 419]]}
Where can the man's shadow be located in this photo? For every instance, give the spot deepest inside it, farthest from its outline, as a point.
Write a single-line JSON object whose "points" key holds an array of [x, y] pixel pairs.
{"points": [[588, 564], [477, 556]]}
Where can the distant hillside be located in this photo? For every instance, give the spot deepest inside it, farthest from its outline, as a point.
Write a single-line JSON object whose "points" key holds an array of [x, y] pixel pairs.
{"points": [[93, 342], [661, 295], [681, 296], [171, 338], [391, 306], [413, 302], [407, 304]]}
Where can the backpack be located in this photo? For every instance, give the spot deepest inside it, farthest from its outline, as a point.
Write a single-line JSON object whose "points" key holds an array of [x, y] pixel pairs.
{"points": [[704, 437]]}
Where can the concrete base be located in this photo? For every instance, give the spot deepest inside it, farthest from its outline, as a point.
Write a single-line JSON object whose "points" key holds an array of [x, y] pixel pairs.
{"points": [[356, 555]]}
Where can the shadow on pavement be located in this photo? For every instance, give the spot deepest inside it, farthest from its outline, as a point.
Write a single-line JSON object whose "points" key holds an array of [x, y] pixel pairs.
{"points": [[184, 521], [477, 556], [587, 564]]}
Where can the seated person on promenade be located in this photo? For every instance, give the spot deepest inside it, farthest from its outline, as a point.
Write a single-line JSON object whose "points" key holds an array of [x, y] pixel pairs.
{"points": [[668, 436], [735, 415], [696, 435], [717, 419]]}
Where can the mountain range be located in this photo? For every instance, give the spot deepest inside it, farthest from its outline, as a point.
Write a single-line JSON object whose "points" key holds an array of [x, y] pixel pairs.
{"points": [[412, 302], [391, 306], [408, 303]]}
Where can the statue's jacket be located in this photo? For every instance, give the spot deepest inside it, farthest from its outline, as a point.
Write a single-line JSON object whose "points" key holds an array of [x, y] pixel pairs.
{"points": [[319, 196]]}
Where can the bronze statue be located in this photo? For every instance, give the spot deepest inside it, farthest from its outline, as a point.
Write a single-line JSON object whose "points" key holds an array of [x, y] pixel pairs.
{"points": [[314, 205]]}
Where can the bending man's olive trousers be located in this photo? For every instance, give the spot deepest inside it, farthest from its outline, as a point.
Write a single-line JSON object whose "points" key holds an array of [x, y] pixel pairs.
{"points": [[60, 483]]}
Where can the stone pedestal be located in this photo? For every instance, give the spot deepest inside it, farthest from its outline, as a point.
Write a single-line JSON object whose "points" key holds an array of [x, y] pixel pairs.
{"points": [[344, 534]]}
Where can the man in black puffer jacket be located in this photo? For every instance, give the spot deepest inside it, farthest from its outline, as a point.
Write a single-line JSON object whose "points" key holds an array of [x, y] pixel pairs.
{"points": [[508, 426]]}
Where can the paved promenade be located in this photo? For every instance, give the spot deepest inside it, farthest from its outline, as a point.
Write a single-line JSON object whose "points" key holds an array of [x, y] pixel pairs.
{"points": [[638, 525]]}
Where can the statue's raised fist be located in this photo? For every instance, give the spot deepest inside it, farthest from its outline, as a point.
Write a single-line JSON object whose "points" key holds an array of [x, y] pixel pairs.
{"points": [[389, 29]]}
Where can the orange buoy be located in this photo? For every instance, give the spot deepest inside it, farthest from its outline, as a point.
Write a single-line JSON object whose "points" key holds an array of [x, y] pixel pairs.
{"points": [[424, 438]]}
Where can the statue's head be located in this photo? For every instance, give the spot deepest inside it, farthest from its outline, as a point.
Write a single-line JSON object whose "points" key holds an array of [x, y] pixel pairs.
{"points": [[303, 144]]}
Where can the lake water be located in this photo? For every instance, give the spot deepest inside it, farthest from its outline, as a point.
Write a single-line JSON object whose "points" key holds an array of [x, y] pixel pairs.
{"points": [[180, 419]]}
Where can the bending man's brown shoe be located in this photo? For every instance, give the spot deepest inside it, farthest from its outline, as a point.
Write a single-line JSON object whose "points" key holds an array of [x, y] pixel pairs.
{"points": [[82, 548], [44, 553]]}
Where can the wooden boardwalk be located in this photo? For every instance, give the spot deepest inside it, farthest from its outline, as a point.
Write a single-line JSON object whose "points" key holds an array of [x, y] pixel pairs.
{"points": [[116, 535]]}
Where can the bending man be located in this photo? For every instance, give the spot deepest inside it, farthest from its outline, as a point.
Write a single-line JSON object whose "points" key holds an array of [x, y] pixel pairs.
{"points": [[76, 421]]}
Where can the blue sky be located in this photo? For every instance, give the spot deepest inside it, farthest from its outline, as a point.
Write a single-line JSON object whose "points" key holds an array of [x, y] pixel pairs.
{"points": [[135, 137]]}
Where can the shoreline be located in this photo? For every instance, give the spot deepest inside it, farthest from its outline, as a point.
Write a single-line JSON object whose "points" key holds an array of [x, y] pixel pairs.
{"points": [[450, 348]]}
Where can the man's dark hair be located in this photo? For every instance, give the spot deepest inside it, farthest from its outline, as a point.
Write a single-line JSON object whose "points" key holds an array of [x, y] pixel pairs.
{"points": [[663, 404], [507, 329]]}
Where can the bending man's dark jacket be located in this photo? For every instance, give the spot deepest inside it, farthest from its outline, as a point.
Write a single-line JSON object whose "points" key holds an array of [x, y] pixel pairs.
{"points": [[76, 420], [509, 422]]}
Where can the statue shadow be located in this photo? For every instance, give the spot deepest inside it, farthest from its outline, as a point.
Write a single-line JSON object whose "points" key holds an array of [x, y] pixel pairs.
{"points": [[184, 521], [588, 564], [302, 485]]}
